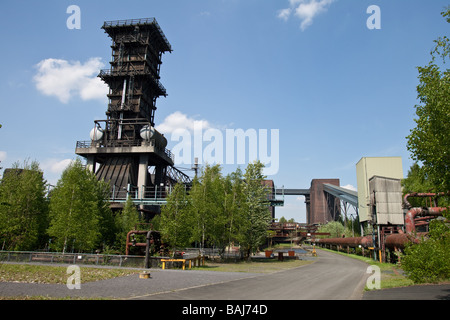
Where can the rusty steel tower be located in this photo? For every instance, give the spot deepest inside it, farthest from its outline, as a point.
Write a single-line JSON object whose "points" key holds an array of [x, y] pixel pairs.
{"points": [[125, 149]]}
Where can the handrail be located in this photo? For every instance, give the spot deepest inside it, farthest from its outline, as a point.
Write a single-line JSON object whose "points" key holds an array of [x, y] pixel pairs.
{"points": [[109, 73], [122, 143], [134, 22], [128, 22]]}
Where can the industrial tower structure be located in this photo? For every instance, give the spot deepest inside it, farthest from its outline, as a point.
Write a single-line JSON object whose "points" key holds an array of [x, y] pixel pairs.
{"points": [[125, 149]]}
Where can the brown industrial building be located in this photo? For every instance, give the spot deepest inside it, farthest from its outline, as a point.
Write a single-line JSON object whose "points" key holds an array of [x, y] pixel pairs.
{"points": [[322, 207]]}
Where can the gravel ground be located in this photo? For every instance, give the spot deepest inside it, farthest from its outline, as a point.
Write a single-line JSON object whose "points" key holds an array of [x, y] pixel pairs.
{"points": [[125, 287]]}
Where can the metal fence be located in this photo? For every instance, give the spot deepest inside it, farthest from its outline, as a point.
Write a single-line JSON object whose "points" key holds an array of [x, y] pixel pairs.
{"points": [[74, 258], [125, 261], [214, 253]]}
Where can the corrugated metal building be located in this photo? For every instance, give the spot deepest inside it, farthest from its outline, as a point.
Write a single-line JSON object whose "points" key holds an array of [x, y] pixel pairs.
{"points": [[366, 168], [386, 201]]}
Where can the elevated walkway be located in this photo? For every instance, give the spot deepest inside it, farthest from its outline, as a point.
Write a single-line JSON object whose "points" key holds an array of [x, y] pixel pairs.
{"points": [[343, 194]]}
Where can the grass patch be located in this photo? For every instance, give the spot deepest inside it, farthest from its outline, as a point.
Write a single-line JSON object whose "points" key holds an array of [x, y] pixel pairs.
{"points": [[28, 273]]}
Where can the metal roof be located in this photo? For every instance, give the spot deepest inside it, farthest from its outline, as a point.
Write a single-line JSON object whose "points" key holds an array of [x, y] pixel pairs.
{"points": [[108, 26], [344, 194]]}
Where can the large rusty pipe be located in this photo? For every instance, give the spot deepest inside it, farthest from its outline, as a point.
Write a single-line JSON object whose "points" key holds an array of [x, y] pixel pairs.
{"points": [[349, 242], [127, 251], [147, 249], [129, 243], [392, 241], [410, 226], [399, 240], [420, 195]]}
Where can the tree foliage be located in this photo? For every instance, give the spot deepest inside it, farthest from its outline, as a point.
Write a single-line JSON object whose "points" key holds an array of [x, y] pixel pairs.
{"points": [[206, 198], [429, 141], [256, 214], [176, 223], [78, 210], [125, 221], [218, 210], [417, 181], [429, 261], [23, 207], [336, 230]]}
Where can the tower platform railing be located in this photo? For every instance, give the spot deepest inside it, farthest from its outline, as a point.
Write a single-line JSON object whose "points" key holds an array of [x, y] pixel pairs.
{"points": [[106, 74], [138, 22], [87, 144]]}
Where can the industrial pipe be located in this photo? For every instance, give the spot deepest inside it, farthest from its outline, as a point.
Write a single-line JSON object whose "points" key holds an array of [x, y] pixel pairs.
{"points": [[130, 243], [398, 240], [419, 195], [392, 241], [410, 226], [147, 250], [349, 242], [395, 241]]}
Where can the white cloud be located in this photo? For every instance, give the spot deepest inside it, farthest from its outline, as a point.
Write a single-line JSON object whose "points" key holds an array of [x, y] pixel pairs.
{"points": [[349, 187], [55, 166], [64, 79], [3, 155], [284, 13], [305, 10], [178, 120]]}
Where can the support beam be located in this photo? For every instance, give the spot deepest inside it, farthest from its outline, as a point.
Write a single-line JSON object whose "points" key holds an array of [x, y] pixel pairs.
{"points": [[142, 174], [90, 164]]}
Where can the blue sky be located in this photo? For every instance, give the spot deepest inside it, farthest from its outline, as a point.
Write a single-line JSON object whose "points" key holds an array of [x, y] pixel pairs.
{"points": [[334, 89]]}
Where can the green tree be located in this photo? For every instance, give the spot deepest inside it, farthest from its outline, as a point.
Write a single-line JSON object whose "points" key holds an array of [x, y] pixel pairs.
{"points": [[417, 181], [336, 229], [215, 207], [282, 220], [429, 261], [233, 207], [207, 207], [429, 144], [213, 199], [429, 141], [126, 220], [218, 210], [0, 161], [256, 215], [78, 207], [176, 223], [23, 208]]}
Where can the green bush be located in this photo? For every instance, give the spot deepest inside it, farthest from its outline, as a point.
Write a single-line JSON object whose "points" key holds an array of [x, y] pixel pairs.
{"points": [[429, 261]]}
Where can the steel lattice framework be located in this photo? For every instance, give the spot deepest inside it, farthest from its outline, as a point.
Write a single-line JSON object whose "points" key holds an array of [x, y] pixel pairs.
{"points": [[130, 154]]}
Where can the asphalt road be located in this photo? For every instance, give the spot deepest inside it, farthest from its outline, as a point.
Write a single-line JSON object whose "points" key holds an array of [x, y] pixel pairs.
{"points": [[332, 276], [419, 292]]}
